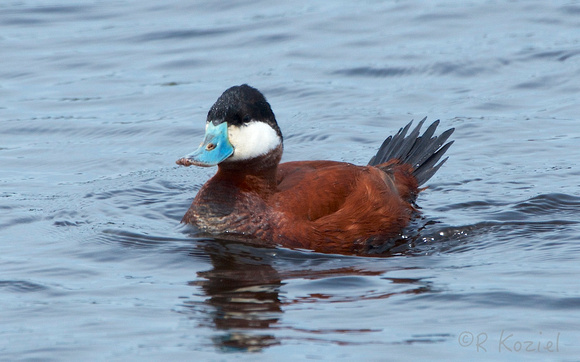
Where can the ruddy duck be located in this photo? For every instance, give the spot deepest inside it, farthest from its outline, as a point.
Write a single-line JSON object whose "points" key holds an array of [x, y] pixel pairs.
{"points": [[325, 206]]}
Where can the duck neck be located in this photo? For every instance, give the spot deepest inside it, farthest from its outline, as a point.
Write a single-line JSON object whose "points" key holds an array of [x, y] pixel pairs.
{"points": [[257, 174]]}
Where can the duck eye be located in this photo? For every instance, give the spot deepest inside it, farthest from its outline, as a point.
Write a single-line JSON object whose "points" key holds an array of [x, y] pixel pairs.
{"points": [[246, 119]]}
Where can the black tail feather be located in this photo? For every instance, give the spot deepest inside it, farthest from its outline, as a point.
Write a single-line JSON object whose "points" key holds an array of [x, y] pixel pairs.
{"points": [[422, 152]]}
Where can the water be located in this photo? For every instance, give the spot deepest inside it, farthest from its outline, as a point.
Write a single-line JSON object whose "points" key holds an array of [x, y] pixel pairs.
{"points": [[97, 101]]}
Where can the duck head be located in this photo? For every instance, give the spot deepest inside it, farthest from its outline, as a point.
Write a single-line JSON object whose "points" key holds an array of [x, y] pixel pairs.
{"points": [[240, 128]]}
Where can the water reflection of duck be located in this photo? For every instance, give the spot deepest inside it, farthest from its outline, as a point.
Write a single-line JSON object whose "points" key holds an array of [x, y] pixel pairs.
{"points": [[326, 206], [249, 289], [245, 297]]}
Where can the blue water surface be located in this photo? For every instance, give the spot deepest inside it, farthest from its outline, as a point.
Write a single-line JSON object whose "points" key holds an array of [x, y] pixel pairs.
{"points": [[98, 99]]}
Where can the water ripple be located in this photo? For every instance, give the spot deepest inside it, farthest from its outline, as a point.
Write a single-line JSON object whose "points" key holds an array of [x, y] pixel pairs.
{"points": [[375, 72], [439, 68], [22, 286], [507, 299], [181, 34], [549, 204]]}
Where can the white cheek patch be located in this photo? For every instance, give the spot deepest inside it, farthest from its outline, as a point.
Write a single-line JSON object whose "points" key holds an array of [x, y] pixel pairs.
{"points": [[251, 140]]}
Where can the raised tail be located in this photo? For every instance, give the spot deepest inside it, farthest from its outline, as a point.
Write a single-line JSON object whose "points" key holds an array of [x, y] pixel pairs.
{"points": [[421, 152]]}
